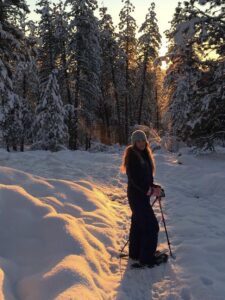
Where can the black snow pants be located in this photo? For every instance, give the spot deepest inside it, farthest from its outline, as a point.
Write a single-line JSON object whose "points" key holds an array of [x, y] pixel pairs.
{"points": [[143, 237]]}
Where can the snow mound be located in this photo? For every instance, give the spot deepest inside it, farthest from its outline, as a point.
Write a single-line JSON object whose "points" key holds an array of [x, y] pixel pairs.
{"points": [[55, 237]]}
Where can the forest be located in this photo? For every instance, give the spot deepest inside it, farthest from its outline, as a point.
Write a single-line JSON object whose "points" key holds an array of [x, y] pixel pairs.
{"points": [[74, 77]]}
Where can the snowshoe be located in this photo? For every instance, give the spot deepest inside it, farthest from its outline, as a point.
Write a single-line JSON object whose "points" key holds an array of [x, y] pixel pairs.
{"points": [[157, 253], [160, 252], [159, 259], [123, 255], [141, 266]]}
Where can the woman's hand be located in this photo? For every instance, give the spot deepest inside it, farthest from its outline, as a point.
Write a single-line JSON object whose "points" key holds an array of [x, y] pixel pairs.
{"points": [[156, 191]]}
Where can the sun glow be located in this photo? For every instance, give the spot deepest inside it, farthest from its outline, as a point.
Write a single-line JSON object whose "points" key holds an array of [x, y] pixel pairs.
{"points": [[164, 65]]}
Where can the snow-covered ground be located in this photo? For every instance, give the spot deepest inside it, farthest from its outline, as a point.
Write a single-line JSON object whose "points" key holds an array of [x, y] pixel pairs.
{"points": [[64, 216]]}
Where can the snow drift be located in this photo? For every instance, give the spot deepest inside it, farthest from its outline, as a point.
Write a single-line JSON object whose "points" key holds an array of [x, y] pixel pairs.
{"points": [[55, 238]]}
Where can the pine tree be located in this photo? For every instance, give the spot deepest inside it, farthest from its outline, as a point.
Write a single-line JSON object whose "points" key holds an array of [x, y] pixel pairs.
{"points": [[9, 110], [208, 126], [128, 43], [87, 61], [183, 74], [13, 50], [50, 131], [62, 40], [47, 41], [22, 86], [197, 107], [111, 102], [149, 44]]}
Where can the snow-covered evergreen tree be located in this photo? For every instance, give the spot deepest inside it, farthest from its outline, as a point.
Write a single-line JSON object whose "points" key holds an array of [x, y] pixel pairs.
{"points": [[149, 43], [210, 127], [197, 104], [47, 42], [49, 130], [22, 86], [128, 43], [12, 51], [9, 110], [63, 57], [85, 47], [182, 74]]}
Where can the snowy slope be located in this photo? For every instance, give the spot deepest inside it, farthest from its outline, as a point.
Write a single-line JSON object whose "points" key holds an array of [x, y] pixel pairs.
{"points": [[56, 235], [64, 216]]}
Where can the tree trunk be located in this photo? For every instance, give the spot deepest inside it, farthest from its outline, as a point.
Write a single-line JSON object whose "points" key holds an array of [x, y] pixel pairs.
{"points": [[22, 145], [87, 142], [66, 76], [108, 133], [142, 88], [127, 94], [7, 145], [74, 128], [118, 109], [157, 109], [22, 139]]}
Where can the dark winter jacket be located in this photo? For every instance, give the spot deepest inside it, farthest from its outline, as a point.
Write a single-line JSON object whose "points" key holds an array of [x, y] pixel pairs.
{"points": [[139, 172]]}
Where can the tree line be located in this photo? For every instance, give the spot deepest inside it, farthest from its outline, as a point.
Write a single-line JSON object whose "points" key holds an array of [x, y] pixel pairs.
{"points": [[73, 76]]}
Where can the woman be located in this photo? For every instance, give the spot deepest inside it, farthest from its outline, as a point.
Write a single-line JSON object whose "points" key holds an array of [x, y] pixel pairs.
{"points": [[138, 164]]}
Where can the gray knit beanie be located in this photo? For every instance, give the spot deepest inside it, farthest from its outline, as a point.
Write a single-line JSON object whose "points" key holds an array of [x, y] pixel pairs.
{"points": [[138, 135]]}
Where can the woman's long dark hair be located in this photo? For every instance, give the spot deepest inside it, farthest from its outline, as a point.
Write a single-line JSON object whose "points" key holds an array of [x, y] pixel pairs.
{"points": [[126, 156]]}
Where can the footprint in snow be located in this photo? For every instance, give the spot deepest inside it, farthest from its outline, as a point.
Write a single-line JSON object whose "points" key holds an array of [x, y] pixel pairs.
{"points": [[185, 294], [206, 281]]}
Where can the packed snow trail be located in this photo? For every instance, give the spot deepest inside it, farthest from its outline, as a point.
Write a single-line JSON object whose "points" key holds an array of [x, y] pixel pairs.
{"points": [[64, 217]]}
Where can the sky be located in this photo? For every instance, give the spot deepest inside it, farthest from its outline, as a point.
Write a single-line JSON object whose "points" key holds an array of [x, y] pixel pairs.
{"points": [[164, 9]]}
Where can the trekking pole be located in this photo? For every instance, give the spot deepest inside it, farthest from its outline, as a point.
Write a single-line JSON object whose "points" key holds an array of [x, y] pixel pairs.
{"points": [[164, 223], [121, 251], [154, 202]]}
